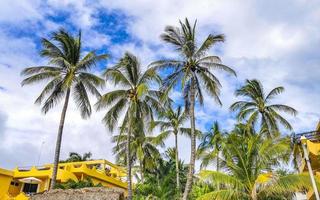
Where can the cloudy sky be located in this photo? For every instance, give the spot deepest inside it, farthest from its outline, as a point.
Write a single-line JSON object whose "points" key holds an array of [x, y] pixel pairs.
{"points": [[277, 42]]}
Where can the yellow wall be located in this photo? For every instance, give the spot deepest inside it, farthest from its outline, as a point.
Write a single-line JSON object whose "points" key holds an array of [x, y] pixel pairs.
{"points": [[75, 171], [5, 180]]}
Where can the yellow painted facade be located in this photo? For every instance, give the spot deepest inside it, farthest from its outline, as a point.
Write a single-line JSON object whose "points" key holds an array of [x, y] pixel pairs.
{"points": [[99, 171], [314, 156]]}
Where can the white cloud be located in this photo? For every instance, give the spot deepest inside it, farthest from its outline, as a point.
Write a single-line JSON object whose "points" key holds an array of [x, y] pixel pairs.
{"points": [[17, 11], [268, 40]]}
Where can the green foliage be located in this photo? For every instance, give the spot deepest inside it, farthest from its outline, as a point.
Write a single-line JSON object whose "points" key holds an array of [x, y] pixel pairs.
{"points": [[160, 181], [251, 161], [76, 157], [143, 149], [71, 184], [210, 146], [201, 188]]}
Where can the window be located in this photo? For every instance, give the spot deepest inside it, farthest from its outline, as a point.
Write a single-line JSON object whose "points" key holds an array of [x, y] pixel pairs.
{"points": [[29, 188], [13, 183]]}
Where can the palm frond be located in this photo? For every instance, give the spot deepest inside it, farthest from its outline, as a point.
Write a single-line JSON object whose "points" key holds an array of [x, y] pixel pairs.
{"points": [[82, 100], [208, 43]]}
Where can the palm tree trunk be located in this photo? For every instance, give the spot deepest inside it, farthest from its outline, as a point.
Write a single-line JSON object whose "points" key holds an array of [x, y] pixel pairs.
{"points": [[254, 193], [141, 171], [129, 166], [193, 142], [177, 162], [58, 142], [218, 169]]}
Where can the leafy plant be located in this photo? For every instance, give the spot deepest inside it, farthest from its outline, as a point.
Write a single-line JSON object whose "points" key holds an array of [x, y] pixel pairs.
{"points": [[71, 184]]}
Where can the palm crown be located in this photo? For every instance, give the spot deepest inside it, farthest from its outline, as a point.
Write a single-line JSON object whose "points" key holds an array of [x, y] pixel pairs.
{"points": [[76, 157], [259, 104], [211, 145], [196, 65], [144, 149], [171, 121], [68, 70], [134, 97]]}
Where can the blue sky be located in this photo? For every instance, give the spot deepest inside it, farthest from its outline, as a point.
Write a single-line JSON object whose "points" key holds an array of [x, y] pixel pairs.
{"points": [[277, 42]]}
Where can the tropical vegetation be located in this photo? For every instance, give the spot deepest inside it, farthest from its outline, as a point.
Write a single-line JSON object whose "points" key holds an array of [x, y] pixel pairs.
{"points": [[71, 184], [246, 157], [251, 161], [76, 157]]}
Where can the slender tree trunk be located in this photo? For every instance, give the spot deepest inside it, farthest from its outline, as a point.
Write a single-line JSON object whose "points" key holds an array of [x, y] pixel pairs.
{"points": [[58, 142], [218, 169], [254, 193], [193, 142], [141, 171], [129, 165], [177, 162]]}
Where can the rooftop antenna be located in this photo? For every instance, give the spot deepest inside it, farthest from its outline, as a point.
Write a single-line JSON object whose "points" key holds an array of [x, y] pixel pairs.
{"points": [[40, 151]]}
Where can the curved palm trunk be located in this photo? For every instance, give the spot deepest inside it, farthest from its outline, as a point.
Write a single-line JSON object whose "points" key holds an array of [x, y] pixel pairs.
{"points": [[177, 162], [58, 142], [193, 143], [129, 167]]}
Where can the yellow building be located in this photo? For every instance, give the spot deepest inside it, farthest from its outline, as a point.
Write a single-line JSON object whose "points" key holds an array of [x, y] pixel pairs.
{"points": [[22, 182], [313, 148]]}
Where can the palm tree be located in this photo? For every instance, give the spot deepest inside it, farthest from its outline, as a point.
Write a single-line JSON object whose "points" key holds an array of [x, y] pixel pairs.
{"points": [[171, 122], [210, 146], [143, 149], [259, 104], [134, 98], [193, 72], [76, 157], [250, 160], [67, 72]]}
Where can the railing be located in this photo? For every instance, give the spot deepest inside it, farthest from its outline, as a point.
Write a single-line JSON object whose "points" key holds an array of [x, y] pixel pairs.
{"points": [[313, 136]]}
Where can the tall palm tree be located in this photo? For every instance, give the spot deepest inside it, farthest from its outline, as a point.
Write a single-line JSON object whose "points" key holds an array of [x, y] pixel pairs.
{"points": [[171, 122], [76, 157], [250, 160], [134, 98], [194, 72], [210, 146], [258, 105], [68, 71]]}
